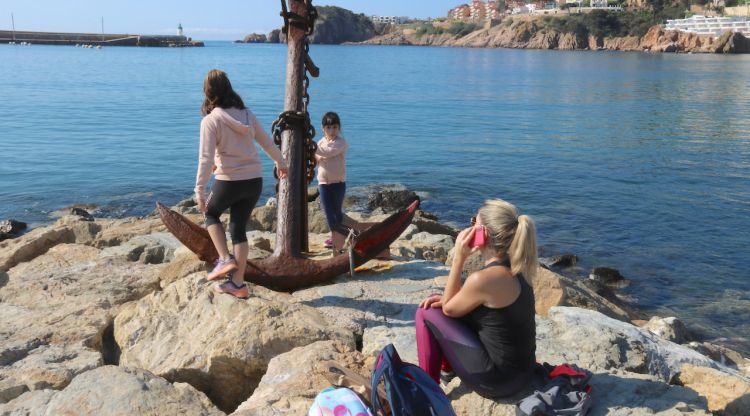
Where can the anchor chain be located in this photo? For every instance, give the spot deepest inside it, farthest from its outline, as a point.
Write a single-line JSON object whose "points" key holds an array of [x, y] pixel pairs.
{"points": [[288, 120]]}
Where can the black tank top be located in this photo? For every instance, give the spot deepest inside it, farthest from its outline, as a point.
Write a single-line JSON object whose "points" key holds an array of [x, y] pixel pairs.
{"points": [[509, 333]]}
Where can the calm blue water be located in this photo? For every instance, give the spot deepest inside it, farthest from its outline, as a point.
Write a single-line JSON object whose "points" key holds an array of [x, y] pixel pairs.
{"points": [[634, 161]]}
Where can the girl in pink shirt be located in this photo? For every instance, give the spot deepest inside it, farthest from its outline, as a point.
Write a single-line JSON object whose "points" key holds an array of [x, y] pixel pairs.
{"points": [[227, 148], [332, 177]]}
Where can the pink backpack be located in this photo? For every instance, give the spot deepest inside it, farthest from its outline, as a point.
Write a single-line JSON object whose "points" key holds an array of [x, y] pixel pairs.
{"points": [[338, 402]]}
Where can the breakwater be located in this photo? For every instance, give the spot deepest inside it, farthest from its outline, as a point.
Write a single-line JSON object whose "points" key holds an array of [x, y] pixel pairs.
{"points": [[103, 39]]}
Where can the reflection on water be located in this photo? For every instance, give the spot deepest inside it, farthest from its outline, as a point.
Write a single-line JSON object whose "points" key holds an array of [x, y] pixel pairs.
{"points": [[633, 161]]}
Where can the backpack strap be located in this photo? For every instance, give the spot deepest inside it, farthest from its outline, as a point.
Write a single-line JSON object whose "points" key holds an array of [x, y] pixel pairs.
{"points": [[382, 364]]}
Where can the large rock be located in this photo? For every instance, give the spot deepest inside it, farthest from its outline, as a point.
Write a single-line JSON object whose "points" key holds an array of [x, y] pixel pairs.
{"points": [[425, 246], [56, 310], [255, 38], [336, 25], [116, 232], [599, 343], [46, 367], [292, 380], [726, 394], [380, 304], [217, 343], [37, 242], [671, 329], [119, 391], [391, 200], [154, 248]]}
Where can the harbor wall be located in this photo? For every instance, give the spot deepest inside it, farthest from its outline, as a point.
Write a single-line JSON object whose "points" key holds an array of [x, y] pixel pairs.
{"points": [[106, 39]]}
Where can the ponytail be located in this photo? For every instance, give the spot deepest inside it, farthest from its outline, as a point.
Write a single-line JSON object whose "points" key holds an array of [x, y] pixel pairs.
{"points": [[522, 251], [511, 235]]}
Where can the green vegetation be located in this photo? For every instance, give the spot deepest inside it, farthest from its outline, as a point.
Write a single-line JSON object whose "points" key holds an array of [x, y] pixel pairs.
{"points": [[606, 23], [457, 28]]}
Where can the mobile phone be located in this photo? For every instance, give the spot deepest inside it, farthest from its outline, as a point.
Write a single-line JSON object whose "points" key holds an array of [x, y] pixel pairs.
{"points": [[479, 238]]}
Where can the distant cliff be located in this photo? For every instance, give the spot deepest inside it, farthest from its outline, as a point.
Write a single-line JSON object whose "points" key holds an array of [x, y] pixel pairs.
{"points": [[336, 25], [532, 32]]}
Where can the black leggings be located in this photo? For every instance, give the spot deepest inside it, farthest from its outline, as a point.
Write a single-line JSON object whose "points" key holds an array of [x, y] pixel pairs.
{"points": [[240, 197]]}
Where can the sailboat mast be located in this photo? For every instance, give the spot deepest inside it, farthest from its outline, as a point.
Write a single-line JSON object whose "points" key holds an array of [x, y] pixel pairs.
{"points": [[13, 22]]}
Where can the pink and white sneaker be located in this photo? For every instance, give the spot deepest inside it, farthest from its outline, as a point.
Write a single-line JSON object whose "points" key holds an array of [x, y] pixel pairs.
{"points": [[222, 268]]}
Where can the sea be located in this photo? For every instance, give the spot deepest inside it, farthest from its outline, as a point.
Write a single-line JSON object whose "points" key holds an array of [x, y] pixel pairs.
{"points": [[635, 161]]}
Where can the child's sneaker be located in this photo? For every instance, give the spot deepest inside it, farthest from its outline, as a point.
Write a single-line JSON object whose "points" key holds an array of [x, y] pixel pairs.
{"points": [[238, 291], [222, 268], [328, 243]]}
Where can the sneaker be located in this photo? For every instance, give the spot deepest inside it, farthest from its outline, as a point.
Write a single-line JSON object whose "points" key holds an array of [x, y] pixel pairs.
{"points": [[328, 243], [238, 291], [446, 377], [222, 268]]}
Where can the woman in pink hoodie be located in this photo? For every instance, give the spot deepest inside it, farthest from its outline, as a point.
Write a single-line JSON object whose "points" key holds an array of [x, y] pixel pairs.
{"points": [[227, 148]]}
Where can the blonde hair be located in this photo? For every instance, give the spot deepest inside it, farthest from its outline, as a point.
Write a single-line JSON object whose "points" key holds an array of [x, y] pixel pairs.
{"points": [[512, 235]]}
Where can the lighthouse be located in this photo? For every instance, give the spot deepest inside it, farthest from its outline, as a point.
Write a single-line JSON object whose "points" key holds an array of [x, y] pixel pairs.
{"points": [[179, 29]]}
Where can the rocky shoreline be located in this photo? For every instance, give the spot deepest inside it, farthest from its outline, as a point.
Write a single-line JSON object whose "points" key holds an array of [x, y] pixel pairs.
{"points": [[114, 316], [533, 33]]}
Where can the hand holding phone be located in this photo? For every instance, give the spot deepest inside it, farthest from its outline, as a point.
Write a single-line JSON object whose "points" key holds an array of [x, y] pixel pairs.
{"points": [[480, 237]]}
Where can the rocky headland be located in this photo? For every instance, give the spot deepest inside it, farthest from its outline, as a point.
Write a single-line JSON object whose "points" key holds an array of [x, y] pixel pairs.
{"points": [[115, 317], [543, 32]]}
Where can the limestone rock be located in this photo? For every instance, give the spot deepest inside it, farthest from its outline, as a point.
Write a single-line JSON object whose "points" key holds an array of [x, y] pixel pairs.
{"points": [[154, 248], [336, 25], [263, 219], [431, 226], [181, 267], [409, 232], [548, 291], [255, 38], [726, 394], [116, 391], [217, 343], [671, 329], [424, 246], [46, 367], [292, 380], [38, 241], [599, 343], [55, 315], [31, 403], [116, 232]]}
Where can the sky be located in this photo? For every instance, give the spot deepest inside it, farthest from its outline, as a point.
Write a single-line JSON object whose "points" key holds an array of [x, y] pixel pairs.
{"points": [[201, 20]]}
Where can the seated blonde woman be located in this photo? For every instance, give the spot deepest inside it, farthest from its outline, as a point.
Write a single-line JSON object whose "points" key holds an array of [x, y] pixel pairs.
{"points": [[484, 330]]}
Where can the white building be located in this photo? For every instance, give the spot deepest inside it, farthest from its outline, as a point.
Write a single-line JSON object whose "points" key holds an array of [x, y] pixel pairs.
{"points": [[712, 26], [394, 20]]}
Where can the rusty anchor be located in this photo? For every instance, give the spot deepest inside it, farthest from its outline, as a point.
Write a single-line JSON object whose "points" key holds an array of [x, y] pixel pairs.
{"points": [[287, 269]]}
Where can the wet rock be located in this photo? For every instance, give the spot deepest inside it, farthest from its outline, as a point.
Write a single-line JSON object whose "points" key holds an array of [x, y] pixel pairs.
{"points": [[111, 390], [562, 260], [85, 215], [11, 229], [391, 200], [292, 380], [426, 215], [217, 343], [606, 275], [671, 329]]}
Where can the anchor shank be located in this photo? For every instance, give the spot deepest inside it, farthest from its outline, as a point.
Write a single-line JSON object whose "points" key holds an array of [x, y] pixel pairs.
{"points": [[291, 229]]}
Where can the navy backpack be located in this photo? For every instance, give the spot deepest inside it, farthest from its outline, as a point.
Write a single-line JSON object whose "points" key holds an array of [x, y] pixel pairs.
{"points": [[410, 391]]}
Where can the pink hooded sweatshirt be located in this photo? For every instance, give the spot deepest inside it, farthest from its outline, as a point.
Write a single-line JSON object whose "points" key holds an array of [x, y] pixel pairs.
{"points": [[227, 142]]}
